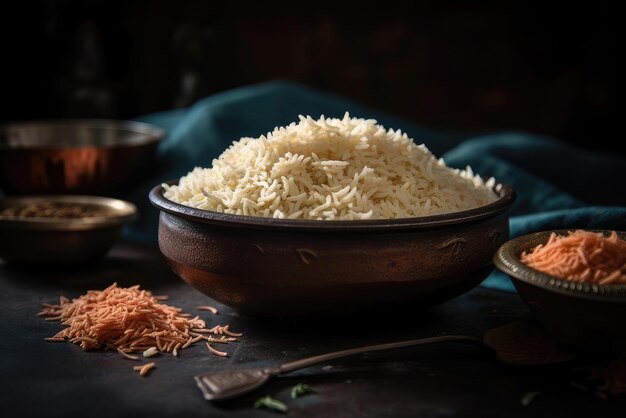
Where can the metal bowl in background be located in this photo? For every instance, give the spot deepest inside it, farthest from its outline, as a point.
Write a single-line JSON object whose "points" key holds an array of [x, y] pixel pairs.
{"points": [[94, 157], [581, 315], [282, 267], [62, 240]]}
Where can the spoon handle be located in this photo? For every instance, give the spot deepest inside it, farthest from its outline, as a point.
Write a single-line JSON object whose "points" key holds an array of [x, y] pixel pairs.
{"points": [[310, 361]]}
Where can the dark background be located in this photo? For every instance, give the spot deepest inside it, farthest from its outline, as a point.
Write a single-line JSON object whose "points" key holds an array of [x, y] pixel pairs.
{"points": [[447, 65]]}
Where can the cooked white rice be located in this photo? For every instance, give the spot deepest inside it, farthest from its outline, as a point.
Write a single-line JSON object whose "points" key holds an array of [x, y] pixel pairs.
{"points": [[331, 169]]}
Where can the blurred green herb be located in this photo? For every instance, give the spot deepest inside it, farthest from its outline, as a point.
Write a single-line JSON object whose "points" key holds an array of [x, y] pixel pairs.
{"points": [[299, 390], [271, 404], [528, 398]]}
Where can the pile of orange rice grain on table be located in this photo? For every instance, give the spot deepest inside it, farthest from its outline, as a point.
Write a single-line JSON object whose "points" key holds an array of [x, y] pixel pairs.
{"points": [[581, 256], [132, 321]]}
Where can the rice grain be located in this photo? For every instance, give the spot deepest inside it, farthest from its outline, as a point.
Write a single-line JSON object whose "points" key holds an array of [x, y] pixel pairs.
{"points": [[331, 169]]}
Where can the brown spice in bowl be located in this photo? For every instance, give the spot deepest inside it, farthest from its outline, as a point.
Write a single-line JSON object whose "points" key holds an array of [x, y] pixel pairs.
{"points": [[49, 209]]}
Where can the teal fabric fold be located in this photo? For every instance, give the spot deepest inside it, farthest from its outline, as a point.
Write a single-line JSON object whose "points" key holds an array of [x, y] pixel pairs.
{"points": [[558, 186]]}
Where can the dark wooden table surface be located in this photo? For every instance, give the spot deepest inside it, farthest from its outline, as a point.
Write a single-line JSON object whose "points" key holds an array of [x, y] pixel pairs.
{"points": [[59, 379]]}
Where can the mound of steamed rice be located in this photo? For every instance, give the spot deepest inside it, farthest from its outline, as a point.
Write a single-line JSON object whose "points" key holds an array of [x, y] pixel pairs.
{"points": [[331, 169]]}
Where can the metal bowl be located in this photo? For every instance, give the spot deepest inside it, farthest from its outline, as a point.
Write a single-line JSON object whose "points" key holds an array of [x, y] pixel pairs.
{"points": [[62, 240], [282, 267], [581, 315], [75, 156]]}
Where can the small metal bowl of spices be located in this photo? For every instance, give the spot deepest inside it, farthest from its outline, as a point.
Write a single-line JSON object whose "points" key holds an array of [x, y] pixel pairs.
{"points": [[575, 284], [60, 229]]}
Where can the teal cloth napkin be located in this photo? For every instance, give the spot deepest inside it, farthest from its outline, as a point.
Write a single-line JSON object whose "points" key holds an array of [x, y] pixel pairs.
{"points": [[558, 186]]}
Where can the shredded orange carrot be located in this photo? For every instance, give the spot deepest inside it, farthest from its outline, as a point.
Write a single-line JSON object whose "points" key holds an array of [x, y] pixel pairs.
{"points": [[176, 348], [216, 352], [54, 339], [581, 256], [208, 308], [125, 355], [145, 368], [128, 320], [225, 330]]}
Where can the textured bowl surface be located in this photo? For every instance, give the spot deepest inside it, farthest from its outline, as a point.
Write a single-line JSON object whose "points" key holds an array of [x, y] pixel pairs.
{"points": [[62, 240], [282, 267], [582, 315], [75, 156]]}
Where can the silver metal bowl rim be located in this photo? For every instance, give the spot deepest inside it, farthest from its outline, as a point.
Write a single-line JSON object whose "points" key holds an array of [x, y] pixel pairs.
{"points": [[506, 198], [507, 260], [151, 132], [123, 212]]}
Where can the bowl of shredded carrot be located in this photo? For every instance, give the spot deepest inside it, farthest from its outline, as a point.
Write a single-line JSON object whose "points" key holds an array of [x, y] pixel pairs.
{"points": [[574, 281], [76, 156]]}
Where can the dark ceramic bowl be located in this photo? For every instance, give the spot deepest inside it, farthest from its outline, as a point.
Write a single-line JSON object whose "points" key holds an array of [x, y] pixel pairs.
{"points": [[101, 157], [280, 267], [584, 316], [62, 240]]}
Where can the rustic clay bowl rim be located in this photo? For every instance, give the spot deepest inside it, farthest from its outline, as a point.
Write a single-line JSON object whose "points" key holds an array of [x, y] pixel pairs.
{"points": [[506, 193], [120, 212], [146, 133], [507, 260]]}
